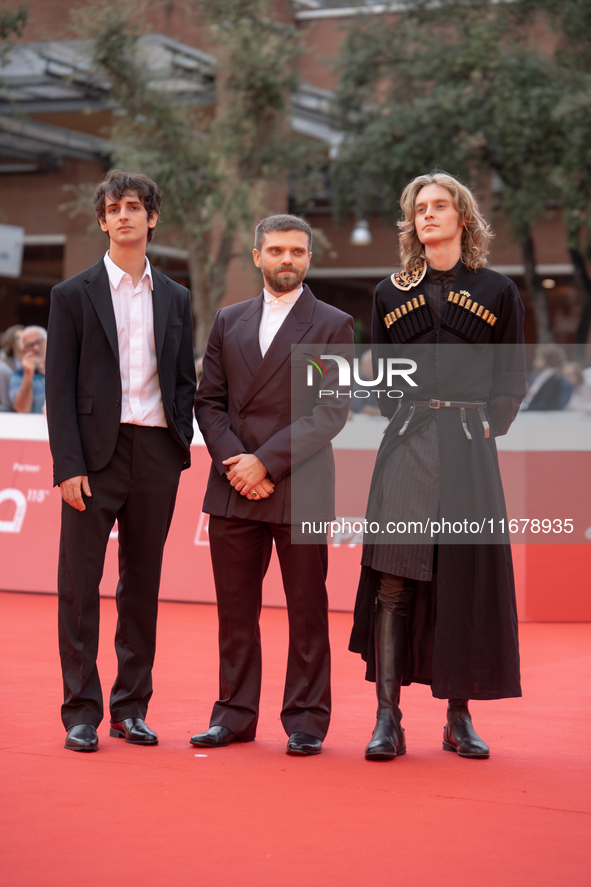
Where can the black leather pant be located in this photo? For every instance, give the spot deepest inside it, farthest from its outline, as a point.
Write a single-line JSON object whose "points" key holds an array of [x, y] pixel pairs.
{"points": [[396, 593]]}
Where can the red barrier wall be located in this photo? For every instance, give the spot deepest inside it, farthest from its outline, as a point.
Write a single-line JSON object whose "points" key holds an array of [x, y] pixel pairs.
{"points": [[552, 579]]}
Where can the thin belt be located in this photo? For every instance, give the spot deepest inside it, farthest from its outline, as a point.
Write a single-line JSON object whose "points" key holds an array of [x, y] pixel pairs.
{"points": [[461, 405], [455, 404]]}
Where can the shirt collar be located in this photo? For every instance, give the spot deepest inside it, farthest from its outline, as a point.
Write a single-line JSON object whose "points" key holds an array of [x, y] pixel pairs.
{"points": [[444, 278], [286, 299], [116, 273]]}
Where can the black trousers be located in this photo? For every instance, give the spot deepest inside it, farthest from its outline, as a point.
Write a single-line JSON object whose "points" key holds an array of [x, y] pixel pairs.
{"points": [[240, 553], [138, 488]]}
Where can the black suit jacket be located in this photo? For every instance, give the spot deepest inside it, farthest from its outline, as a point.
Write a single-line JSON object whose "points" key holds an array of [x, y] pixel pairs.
{"points": [[553, 395], [249, 404], [83, 382]]}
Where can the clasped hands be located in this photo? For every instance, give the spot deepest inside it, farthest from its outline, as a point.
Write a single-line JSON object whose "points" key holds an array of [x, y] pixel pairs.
{"points": [[248, 476]]}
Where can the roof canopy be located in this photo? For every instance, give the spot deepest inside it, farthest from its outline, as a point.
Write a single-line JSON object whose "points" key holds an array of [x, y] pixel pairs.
{"points": [[56, 76]]}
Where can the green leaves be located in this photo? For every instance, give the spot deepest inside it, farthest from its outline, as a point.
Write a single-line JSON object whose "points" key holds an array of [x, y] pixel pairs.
{"points": [[213, 160], [492, 92], [13, 21], [12, 26], [464, 86]]}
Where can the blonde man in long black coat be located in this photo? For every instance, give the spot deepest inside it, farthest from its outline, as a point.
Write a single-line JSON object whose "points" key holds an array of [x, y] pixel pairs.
{"points": [[438, 607]]}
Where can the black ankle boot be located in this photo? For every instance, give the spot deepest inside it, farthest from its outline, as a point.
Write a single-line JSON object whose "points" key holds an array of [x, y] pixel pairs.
{"points": [[459, 735], [387, 740]]}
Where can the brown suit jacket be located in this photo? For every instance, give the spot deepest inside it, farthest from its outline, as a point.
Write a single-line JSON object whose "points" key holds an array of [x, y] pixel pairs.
{"points": [[249, 404]]}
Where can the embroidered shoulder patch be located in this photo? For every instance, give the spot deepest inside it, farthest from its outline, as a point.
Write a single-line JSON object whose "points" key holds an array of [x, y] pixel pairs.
{"points": [[405, 280]]}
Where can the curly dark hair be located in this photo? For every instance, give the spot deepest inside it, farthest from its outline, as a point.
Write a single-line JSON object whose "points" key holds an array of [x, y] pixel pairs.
{"points": [[118, 183]]}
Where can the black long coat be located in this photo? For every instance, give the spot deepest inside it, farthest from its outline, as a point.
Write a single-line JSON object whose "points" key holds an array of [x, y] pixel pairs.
{"points": [[463, 621]]}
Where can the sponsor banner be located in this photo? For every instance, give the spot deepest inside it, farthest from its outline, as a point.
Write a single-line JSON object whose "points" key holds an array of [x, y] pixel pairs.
{"points": [[30, 511], [30, 520]]}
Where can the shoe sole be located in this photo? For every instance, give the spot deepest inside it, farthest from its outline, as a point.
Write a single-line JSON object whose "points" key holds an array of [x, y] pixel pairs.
{"points": [[303, 754], [386, 756], [81, 748], [447, 746], [117, 734], [218, 744]]}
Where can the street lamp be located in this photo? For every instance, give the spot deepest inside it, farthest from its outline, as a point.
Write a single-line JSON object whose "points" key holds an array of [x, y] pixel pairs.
{"points": [[361, 235]]}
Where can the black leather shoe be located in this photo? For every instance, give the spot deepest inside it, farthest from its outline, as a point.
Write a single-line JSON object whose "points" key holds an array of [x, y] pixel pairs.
{"points": [[459, 735], [387, 741], [133, 730], [82, 737], [216, 737], [304, 744]]}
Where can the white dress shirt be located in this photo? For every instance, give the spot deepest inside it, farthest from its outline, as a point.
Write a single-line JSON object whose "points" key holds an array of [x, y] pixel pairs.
{"points": [[275, 310], [141, 398]]}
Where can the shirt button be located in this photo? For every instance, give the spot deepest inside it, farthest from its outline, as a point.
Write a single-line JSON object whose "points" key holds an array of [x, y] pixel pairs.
{"points": [[117, 403], [276, 302], [243, 415]]}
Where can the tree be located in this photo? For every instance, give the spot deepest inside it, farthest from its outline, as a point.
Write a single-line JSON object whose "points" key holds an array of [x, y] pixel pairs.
{"points": [[459, 85], [12, 24], [571, 20], [214, 168]]}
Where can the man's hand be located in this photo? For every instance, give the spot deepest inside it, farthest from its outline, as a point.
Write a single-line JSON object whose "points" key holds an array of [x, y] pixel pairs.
{"points": [[72, 489], [29, 365], [261, 491], [23, 399], [246, 472]]}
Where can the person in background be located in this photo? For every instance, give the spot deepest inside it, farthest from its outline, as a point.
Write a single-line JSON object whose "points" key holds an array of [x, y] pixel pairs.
{"points": [[580, 399], [199, 368], [5, 376], [547, 388], [11, 351], [27, 384], [8, 364]]}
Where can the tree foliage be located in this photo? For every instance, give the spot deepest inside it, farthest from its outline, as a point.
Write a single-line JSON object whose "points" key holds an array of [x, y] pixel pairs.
{"points": [[462, 85], [213, 164], [12, 25]]}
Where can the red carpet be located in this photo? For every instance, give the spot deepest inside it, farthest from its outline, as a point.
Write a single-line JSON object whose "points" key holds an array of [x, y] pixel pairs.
{"points": [[251, 815]]}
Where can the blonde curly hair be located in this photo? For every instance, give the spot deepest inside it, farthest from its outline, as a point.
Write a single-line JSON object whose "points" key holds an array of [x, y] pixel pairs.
{"points": [[476, 234]]}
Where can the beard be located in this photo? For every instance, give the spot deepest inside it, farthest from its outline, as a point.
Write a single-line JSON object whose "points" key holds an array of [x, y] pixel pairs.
{"points": [[281, 281]]}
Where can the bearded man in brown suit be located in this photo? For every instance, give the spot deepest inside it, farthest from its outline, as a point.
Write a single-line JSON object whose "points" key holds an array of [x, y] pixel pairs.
{"points": [[249, 421]]}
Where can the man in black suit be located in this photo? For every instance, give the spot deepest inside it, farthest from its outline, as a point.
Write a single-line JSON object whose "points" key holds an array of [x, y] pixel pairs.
{"points": [[548, 389], [120, 387], [264, 442]]}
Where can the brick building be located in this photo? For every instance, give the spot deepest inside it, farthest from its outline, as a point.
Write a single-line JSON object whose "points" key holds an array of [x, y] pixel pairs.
{"points": [[52, 135]]}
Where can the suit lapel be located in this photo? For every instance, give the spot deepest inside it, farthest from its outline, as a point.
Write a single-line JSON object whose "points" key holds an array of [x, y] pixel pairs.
{"points": [[161, 304], [292, 330], [99, 293], [248, 335]]}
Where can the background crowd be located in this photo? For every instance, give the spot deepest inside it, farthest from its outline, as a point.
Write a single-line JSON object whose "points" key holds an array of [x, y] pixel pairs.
{"points": [[555, 383], [22, 369]]}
